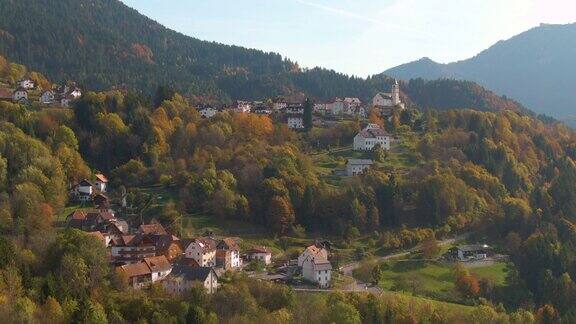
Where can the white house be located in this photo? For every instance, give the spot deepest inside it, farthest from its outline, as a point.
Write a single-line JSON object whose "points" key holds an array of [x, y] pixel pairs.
{"points": [[83, 191], [336, 107], [312, 250], [74, 93], [369, 137], [358, 166], [229, 244], [470, 252], [20, 94], [101, 182], [317, 270], [242, 106], [47, 97], [260, 253], [26, 84], [208, 112], [184, 277], [159, 267], [296, 122], [203, 251]]}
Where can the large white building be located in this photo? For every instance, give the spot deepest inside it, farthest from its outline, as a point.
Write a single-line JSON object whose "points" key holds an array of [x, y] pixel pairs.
{"points": [[371, 136], [317, 269], [312, 250], [203, 251]]}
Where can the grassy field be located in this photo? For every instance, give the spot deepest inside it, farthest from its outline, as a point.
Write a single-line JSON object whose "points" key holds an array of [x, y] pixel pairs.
{"points": [[428, 278]]}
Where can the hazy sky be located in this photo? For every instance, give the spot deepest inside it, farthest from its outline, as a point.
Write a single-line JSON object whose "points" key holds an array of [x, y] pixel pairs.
{"points": [[360, 37]]}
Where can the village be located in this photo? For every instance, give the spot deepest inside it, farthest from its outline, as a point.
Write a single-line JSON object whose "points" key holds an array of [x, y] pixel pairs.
{"points": [[144, 254]]}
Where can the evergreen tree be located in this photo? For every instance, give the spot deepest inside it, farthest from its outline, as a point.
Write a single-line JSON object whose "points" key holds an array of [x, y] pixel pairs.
{"points": [[308, 114]]}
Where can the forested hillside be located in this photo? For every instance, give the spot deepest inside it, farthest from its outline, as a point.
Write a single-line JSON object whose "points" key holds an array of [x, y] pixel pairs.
{"points": [[103, 43], [501, 175]]}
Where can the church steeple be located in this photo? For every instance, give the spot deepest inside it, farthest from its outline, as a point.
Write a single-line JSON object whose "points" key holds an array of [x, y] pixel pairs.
{"points": [[395, 93]]}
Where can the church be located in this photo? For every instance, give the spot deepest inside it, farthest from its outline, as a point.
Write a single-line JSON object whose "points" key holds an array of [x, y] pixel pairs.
{"points": [[386, 102]]}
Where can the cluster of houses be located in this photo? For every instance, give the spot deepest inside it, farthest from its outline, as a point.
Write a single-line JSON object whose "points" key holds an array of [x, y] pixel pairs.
{"points": [[91, 191], [292, 108], [61, 95]]}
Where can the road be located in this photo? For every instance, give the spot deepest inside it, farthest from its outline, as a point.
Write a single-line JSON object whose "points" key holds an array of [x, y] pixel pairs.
{"points": [[348, 268]]}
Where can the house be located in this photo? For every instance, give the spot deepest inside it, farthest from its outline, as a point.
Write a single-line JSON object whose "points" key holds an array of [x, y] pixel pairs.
{"points": [[101, 200], [336, 107], [169, 246], [260, 253], [26, 84], [159, 267], [295, 115], [153, 228], [312, 250], [101, 182], [242, 106], [208, 112], [470, 252], [90, 220], [85, 187], [371, 136], [145, 272], [47, 97], [184, 277], [202, 250], [317, 269], [357, 166], [261, 108], [20, 94], [320, 108], [132, 248], [228, 250]]}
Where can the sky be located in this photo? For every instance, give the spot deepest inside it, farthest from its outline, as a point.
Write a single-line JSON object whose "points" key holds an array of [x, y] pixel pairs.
{"points": [[358, 37]]}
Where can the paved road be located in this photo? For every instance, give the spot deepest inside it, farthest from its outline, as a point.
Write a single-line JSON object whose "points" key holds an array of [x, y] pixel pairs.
{"points": [[348, 268]]}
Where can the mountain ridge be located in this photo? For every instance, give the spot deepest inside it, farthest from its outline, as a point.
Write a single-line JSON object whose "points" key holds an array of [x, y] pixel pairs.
{"points": [[534, 67]]}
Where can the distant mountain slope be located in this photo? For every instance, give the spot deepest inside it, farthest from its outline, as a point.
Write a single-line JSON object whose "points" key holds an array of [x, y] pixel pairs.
{"points": [[536, 67], [102, 43]]}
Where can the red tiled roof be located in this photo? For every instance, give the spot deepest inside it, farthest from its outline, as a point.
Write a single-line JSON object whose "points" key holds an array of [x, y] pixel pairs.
{"points": [[158, 263], [135, 269], [101, 177], [259, 249], [155, 228]]}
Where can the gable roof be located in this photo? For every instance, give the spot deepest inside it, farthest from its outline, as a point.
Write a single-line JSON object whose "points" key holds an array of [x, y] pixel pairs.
{"points": [[100, 177], [228, 243], [192, 273], [158, 263], [319, 262], [154, 228], [85, 183], [360, 162], [385, 95], [134, 269], [259, 249]]}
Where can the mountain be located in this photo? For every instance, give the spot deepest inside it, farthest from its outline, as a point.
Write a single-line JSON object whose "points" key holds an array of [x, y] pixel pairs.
{"points": [[104, 43], [536, 67]]}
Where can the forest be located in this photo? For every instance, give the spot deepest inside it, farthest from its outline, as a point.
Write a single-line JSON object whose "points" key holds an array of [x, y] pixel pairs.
{"points": [[504, 174], [103, 43]]}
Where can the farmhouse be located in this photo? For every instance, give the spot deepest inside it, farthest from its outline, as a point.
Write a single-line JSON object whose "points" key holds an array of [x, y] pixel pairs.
{"points": [[101, 182], [317, 269], [26, 84], [184, 277], [20, 94], [371, 136], [357, 166], [145, 272], [312, 250], [202, 250], [228, 253], [260, 253], [47, 97], [470, 252], [208, 112]]}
